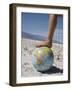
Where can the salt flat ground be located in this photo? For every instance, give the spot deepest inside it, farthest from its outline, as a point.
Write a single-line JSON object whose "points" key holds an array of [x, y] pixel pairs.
{"points": [[27, 69]]}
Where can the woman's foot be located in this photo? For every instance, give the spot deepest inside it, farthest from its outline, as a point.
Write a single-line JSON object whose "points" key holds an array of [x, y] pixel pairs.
{"points": [[46, 43]]}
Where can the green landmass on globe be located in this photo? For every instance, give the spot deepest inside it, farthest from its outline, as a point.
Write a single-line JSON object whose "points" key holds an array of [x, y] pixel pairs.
{"points": [[42, 58]]}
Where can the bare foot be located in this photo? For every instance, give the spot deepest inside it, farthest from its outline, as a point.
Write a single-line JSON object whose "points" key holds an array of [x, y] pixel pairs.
{"points": [[46, 43]]}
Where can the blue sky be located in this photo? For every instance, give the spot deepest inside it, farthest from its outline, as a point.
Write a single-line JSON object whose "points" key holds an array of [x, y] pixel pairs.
{"points": [[36, 23]]}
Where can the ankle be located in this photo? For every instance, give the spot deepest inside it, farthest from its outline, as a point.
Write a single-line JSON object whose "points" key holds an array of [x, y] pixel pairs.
{"points": [[49, 40]]}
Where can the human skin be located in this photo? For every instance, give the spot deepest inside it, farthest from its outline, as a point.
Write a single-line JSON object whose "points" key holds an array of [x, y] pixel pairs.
{"points": [[51, 30]]}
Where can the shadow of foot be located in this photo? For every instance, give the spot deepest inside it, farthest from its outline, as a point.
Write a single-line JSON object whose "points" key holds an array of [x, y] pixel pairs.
{"points": [[52, 70]]}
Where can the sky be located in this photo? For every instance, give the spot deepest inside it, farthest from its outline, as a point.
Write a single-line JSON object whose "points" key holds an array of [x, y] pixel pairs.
{"points": [[36, 23]]}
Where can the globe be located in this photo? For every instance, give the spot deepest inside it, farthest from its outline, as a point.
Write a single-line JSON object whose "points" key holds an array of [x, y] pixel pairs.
{"points": [[42, 58]]}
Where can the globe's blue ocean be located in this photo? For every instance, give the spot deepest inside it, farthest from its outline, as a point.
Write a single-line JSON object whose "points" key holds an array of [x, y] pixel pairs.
{"points": [[42, 58]]}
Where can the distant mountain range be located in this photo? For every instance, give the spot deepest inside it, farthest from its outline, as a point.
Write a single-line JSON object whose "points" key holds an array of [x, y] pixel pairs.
{"points": [[32, 36], [35, 37]]}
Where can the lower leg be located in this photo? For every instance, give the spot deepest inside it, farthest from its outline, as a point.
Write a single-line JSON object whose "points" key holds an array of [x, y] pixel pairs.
{"points": [[51, 28]]}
